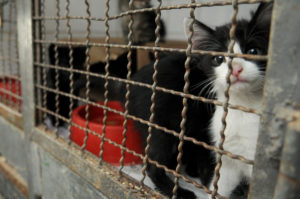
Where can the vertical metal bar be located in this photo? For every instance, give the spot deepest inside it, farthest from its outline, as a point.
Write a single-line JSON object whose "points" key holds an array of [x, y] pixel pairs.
{"points": [[38, 56], [281, 98], [3, 55], [184, 100], [107, 51], [154, 85], [18, 90], [288, 183], [87, 66], [130, 24], [24, 24], [9, 42], [225, 106], [69, 32], [44, 71], [56, 55]]}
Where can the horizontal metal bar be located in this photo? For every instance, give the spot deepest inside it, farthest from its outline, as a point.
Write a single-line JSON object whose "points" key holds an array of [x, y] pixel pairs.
{"points": [[149, 48], [136, 11]]}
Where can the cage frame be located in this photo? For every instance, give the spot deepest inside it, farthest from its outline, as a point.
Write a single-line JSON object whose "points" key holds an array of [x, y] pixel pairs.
{"points": [[279, 125]]}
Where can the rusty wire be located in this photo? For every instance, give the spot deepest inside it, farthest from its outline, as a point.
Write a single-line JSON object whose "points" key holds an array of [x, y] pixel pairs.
{"points": [[44, 70], [154, 86], [87, 66], [107, 50], [56, 70], [178, 6], [184, 100], [69, 32], [162, 49], [127, 94], [129, 46], [227, 97]]}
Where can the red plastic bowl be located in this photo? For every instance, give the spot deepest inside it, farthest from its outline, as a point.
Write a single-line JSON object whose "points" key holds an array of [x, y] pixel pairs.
{"points": [[10, 84], [114, 129]]}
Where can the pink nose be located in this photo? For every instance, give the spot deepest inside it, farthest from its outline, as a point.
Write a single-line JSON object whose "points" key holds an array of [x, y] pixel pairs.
{"points": [[236, 70]]}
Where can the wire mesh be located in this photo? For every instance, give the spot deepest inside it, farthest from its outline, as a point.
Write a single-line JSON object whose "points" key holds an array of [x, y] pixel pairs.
{"points": [[85, 71], [10, 84]]}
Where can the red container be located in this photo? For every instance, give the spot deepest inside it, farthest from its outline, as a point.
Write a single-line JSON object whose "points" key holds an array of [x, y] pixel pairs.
{"points": [[114, 129], [10, 85]]}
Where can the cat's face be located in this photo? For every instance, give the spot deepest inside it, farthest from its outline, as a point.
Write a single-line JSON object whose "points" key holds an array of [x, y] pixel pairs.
{"points": [[251, 38]]}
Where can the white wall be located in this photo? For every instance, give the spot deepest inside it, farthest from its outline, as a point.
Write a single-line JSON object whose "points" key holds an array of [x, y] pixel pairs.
{"points": [[173, 18]]}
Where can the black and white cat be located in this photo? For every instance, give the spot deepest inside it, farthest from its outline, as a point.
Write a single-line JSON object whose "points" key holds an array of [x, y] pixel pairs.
{"points": [[207, 79], [247, 80]]}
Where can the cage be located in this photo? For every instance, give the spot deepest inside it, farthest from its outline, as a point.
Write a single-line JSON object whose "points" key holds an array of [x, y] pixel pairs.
{"points": [[102, 99]]}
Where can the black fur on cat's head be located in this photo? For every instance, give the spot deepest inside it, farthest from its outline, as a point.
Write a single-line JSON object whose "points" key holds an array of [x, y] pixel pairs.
{"points": [[252, 37]]}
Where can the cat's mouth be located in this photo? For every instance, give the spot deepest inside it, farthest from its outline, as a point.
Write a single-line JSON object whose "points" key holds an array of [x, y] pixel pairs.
{"points": [[236, 80]]}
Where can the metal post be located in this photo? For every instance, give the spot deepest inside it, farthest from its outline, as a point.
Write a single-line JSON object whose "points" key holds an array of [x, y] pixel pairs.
{"points": [[281, 98], [24, 25], [288, 184]]}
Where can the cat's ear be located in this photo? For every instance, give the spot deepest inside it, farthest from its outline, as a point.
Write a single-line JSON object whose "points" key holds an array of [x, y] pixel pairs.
{"points": [[262, 15], [201, 31]]}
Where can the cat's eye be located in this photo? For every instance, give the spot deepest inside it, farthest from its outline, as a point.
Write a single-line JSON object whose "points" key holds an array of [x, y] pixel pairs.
{"points": [[253, 51], [218, 60]]}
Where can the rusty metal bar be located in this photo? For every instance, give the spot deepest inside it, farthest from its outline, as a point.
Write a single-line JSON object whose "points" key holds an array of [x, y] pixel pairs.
{"points": [[107, 49], [87, 67], [149, 48], [44, 70], [184, 100], [227, 97], [178, 6], [69, 32], [56, 57], [127, 94]]}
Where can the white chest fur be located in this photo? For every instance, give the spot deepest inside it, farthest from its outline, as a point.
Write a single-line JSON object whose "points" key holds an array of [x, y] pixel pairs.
{"points": [[241, 131], [241, 137]]}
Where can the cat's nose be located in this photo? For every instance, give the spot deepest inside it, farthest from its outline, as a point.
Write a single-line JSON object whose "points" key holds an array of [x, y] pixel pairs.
{"points": [[236, 69]]}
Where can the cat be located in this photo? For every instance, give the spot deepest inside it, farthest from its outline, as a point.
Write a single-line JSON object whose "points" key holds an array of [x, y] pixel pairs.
{"points": [[207, 79], [117, 68], [247, 80], [168, 107], [143, 23]]}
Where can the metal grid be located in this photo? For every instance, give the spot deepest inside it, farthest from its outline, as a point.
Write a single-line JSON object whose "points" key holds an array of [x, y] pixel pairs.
{"points": [[41, 67], [10, 88]]}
